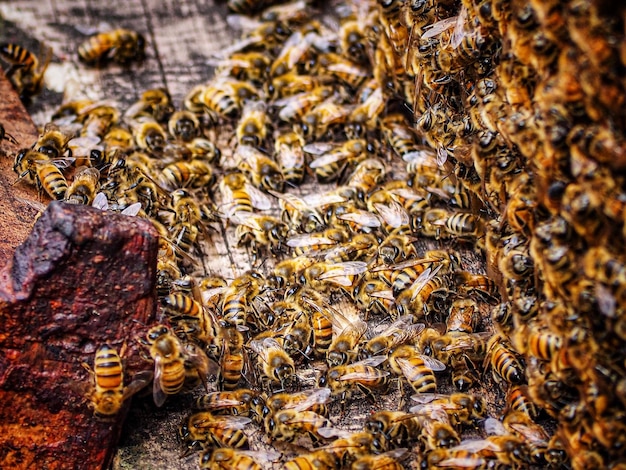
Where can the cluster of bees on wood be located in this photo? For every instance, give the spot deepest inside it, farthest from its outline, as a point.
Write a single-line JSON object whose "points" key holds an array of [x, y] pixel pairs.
{"points": [[486, 125]]}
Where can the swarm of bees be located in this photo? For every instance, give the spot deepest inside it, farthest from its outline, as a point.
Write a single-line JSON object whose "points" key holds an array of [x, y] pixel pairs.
{"points": [[486, 126]]}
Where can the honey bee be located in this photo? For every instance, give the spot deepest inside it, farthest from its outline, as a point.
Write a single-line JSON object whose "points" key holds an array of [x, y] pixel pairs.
{"points": [[120, 45], [360, 247], [461, 408], [415, 298], [38, 169], [324, 274], [183, 125], [318, 121], [236, 299], [373, 295], [480, 284], [84, 186], [290, 157], [261, 231], [332, 160], [362, 375], [401, 331], [518, 399], [235, 402], [187, 174], [150, 136], [533, 435], [172, 362], [109, 393], [393, 428], [215, 430], [314, 399], [364, 117], [503, 360], [320, 323], [188, 318], [240, 197], [274, 362], [366, 177], [288, 424], [155, 103], [385, 461], [26, 72], [320, 459], [225, 458], [310, 243], [416, 368], [463, 316], [232, 359], [224, 98], [253, 124], [262, 170]]}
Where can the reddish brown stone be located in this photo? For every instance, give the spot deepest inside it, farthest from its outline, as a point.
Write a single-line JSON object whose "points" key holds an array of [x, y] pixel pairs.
{"points": [[82, 278]]}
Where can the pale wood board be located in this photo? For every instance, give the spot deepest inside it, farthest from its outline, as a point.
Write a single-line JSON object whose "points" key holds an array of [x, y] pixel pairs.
{"points": [[181, 36]]}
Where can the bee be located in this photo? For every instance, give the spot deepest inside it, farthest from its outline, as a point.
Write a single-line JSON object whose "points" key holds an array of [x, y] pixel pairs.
{"points": [[240, 197], [415, 298], [236, 299], [393, 428], [404, 140], [215, 430], [155, 103], [461, 408], [463, 316], [360, 247], [84, 186], [253, 124], [401, 331], [314, 399], [374, 296], [26, 72], [366, 177], [109, 393], [273, 361], [189, 318], [290, 157], [480, 284], [187, 174], [310, 243], [416, 368], [298, 213], [261, 231], [235, 402], [320, 459], [203, 149], [40, 170], [172, 361], [324, 275], [503, 360], [332, 160], [183, 125], [232, 359], [320, 323], [150, 136], [120, 45], [226, 458], [297, 335], [288, 424], [437, 432], [403, 275], [358, 220], [321, 118], [518, 399], [533, 435], [262, 170], [460, 225], [364, 117], [224, 98], [342, 69], [362, 375], [385, 461]]}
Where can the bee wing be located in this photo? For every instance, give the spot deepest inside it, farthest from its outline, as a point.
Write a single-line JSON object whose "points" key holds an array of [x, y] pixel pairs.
{"points": [[208, 294], [392, 214], [420, 154], [290, 156], [476, 445], [423, 398], [423, 279], [229, 422], [373, 361], [100, 202], [328, 158], [330, 432], [324, 199], [459, 28], [158, 394], [439, 27], [467, 341], [462, 462], [197, 358], [140, 380], [347, 69], [319, 148], [494, 426], [291, 199], [362, 218], [132, 210], [383, 294], [304, 240], [259, 199], [316, 396], [347, 268], [82, 146]]}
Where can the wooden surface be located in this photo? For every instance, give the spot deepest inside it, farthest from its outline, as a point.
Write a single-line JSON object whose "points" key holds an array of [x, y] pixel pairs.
{"points": [[181, 35]]}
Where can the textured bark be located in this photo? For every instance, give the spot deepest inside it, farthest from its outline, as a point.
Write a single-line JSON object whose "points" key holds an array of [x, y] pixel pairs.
{"points": [[82, 278]]}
